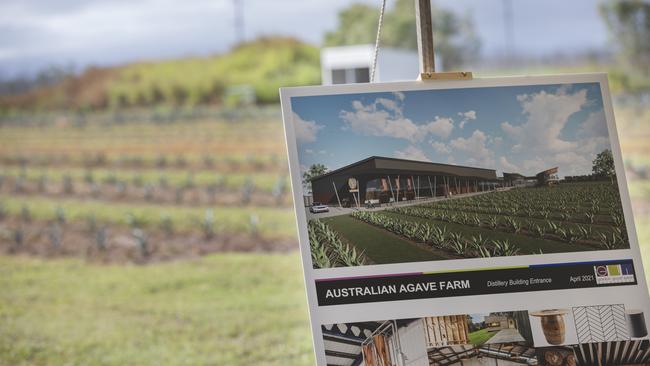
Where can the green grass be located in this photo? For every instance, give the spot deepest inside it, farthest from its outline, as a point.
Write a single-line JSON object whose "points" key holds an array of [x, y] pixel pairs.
{"points": [[479, 337], [377, 244], [273, 222], [227, 309]]}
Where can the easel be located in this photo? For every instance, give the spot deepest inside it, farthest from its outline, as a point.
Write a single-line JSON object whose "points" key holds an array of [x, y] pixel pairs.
{"points": [[425, 47]]}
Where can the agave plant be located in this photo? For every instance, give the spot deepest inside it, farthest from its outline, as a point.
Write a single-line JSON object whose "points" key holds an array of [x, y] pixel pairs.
{"points": [[439, 236], [513, 224], [142, 241], [25, 214], [493, 222], [478, 242], [610, 241], [328, 250], [101, 238], [503, 248], [55, 235], [68, 185], [208, 224], [167, 224], [59, 214]]}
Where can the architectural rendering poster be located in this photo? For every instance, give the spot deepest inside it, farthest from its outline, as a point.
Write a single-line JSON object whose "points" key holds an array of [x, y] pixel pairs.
{"points": [[476, 222]]}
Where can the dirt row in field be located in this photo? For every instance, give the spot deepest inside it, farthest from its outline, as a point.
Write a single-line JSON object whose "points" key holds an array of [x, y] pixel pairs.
{"points": [[115, 244], [131, 163], [148, 194]]}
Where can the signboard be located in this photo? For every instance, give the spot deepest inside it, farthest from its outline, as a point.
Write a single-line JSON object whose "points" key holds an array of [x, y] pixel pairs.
{"points": [[458, 259]]}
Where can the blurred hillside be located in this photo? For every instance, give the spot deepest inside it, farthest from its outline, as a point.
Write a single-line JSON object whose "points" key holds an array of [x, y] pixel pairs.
{"points": [[262, 66]]}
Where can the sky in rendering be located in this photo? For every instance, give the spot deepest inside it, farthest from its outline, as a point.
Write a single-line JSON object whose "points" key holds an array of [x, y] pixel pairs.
{"points": [[523, 129]]}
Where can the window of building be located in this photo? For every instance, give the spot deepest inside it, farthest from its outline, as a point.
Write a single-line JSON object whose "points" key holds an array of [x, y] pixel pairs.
{"points": [[350, 76], [338, 76], [362, 75]]}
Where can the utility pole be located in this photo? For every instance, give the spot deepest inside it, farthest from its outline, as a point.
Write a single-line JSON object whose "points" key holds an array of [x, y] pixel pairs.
{"points": [[238, 8]]}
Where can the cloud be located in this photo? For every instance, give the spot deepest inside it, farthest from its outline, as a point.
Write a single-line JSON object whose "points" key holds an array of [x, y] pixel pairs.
{"points": [[390, 105], [543, 140], [514, 132], [466, 117], [475, 147], [384, 118], [594, 126], [507, 166], [440, 147], [412, 153], [400, 96], [441, 127], [547, 114], [306, 131]]}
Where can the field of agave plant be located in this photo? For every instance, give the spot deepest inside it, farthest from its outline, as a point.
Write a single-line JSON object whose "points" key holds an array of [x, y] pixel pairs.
{"points": [[143, 189], [567, 218], [328, 249]]}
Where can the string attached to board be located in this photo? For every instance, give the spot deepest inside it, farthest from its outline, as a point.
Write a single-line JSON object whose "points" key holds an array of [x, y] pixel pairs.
{"points": [[379, 26]]}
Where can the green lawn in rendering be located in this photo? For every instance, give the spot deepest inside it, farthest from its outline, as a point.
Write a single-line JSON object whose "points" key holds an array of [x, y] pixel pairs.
{"points": [[379, 245]]}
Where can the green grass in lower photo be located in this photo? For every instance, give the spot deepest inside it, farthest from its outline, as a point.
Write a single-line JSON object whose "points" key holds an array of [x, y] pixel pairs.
{"points": [[479, 337], [226, 309]]}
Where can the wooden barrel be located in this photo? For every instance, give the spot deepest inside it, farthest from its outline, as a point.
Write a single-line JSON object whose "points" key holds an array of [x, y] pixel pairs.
{"points": [[636, 323], [553, 327]]}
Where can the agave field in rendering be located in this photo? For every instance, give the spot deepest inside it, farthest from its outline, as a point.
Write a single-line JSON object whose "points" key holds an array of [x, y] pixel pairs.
{"points": [[566, 218], [140, 186]]}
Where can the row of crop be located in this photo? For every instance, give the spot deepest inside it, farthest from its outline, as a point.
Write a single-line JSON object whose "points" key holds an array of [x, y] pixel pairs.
{"points": [[589, 196], [574, 214], [269, 223], [565, 194], [438, 237], [591, 207], [272, 162], [166, 223], [328, 249], [616, 237], [179, 178], [163, 192]]}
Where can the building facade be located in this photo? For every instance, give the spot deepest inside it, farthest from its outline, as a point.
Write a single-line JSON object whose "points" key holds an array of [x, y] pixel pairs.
{"points": [[383, 180]]}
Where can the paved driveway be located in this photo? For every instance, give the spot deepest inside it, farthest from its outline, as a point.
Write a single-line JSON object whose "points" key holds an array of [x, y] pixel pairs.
{"points": [[337, 211]]}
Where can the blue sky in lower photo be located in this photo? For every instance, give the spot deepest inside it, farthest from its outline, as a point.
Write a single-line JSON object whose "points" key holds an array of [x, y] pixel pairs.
{"points": [[523, 129]]}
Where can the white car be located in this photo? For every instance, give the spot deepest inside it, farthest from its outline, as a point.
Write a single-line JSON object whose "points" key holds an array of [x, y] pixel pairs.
{"points": [[318, 207]]}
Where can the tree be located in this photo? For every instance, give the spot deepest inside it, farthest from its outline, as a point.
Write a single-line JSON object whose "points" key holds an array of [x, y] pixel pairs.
{"points": [[629, 24], [454, 37], [314, 171], [604, 164]]}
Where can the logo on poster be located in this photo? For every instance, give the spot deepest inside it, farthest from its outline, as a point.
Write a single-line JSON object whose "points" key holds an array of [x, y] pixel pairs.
{"points": [[614, 273]]}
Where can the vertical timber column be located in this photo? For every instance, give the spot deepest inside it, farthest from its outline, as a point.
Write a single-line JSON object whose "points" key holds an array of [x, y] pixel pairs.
{"points": [[435, 185], [337, 193], [425, 36]]}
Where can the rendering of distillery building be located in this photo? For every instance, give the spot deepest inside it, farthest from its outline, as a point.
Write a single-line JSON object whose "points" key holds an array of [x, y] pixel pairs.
{"points": [[546, 178], [379, 180]]}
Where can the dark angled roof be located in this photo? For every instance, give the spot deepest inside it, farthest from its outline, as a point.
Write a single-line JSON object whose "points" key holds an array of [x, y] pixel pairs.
{"points": [[513, 176], [383, 165]]}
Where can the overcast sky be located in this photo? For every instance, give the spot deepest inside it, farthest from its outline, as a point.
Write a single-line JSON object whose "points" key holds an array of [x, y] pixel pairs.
{"points": [[523, 129], [36, 33]]}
